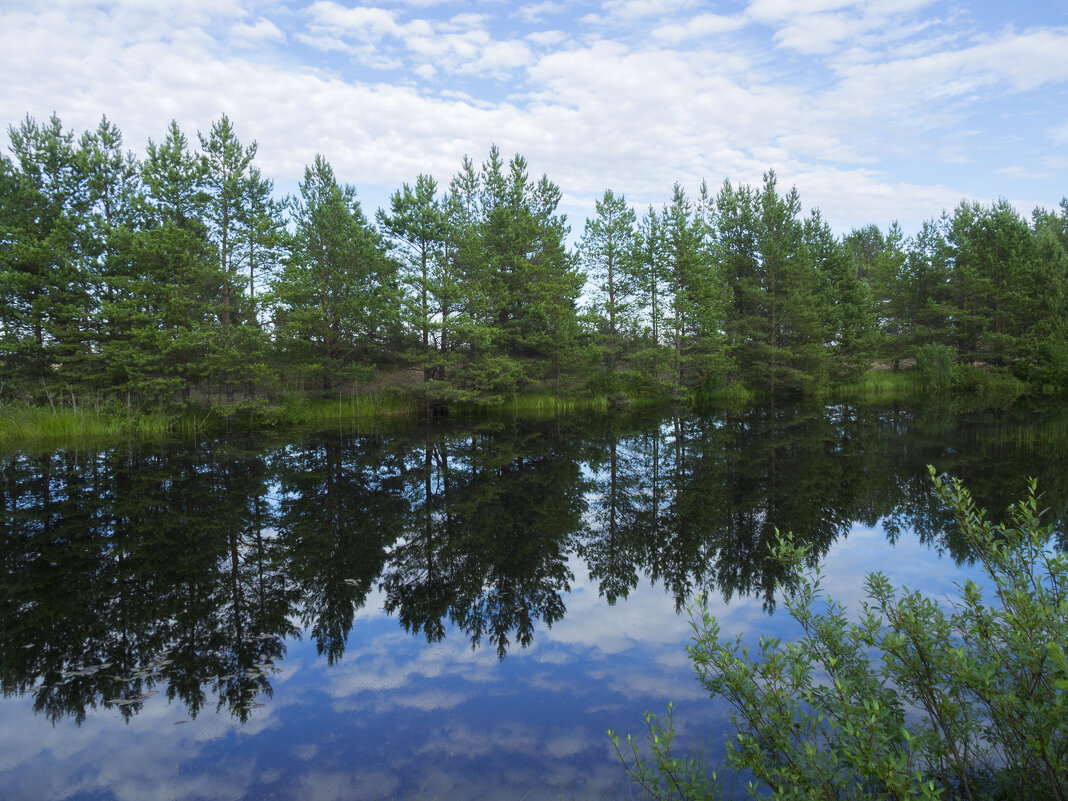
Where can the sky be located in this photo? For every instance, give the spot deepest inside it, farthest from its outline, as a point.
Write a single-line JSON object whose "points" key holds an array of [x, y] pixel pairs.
{"points": [[876, 110]]}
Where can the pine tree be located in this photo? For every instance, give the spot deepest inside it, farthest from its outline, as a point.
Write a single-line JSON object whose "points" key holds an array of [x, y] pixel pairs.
{"points": [[1046, 347], [925, 288], [606, 250], [736, 252], [879, 261], [173, 316], [334, 297], [849, 314], [697, 297], [115, 214], [525, 272], [47, 293], [415, 226], [474, 365], [238, 349], [777, 319], [21, 332], [262, 230], [994, 280], [651, 283]]}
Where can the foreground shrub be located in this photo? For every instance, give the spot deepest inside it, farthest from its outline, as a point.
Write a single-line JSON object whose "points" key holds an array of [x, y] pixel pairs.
{"points": [[914, 700]]}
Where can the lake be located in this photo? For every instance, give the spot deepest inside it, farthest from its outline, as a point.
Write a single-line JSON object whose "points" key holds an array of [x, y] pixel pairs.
{"points": [[449, 610]]}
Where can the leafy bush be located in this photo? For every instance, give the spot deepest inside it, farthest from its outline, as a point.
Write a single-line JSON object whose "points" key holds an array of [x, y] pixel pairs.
{"points": [[668, 776], [914, 700], [936, 363], [987, 381]]}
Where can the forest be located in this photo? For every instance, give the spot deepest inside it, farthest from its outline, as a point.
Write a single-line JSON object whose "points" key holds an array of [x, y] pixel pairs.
{"points": [[181, 278]]}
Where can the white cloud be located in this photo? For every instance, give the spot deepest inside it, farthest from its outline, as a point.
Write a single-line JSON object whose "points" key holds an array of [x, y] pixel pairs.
{"points": [[338, 785], [361, 21], [470, 52], [918, 89], [823, 27], [461, 45], [786, 10], [324, 42], [536, 12], [638, 9], [263, 30], [700, 26], [1021, 173], [432, 700], [547, 38], [467, 21], [568, 744]]}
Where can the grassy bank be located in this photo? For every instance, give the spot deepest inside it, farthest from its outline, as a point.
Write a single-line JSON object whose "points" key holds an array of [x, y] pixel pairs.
{"points": [[38, 427], [27, 427], [534, 406], [294, 409], [880, 385], [76, 423]]}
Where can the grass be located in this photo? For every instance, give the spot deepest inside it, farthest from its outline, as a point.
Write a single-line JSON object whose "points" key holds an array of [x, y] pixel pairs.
{"points": [[294, 409], [25, 426], [546, 405], [35, 427], [881, 385]]}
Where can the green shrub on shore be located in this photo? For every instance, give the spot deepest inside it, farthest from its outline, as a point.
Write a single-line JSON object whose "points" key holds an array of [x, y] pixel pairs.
{"points": [[937, 365], [914, 700]]}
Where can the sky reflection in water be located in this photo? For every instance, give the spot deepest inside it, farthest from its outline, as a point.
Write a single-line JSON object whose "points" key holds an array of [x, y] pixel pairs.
{"points": [[387, 714]]}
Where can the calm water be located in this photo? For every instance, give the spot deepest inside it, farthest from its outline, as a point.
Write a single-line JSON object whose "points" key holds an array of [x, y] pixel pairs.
{"points": [[454, 611]]}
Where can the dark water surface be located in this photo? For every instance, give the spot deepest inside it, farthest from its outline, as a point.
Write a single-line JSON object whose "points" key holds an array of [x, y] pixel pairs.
{"points": [[447, 611]]}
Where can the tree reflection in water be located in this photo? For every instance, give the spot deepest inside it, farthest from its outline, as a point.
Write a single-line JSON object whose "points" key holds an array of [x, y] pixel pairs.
{"points": [[186, 569]]}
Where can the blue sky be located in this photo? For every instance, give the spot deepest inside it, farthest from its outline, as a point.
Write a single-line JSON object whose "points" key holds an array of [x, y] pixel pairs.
{"points": [[875, 109]]}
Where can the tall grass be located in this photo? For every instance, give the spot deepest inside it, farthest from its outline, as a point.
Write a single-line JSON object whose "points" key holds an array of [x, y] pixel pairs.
{"points": [[33, 427], [536, 405], [881, 385], [298, 410]]}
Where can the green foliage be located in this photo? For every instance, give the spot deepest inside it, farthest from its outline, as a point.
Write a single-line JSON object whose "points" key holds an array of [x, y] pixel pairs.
{"points": [[881, 385], [914, 699], [988, 382], [237, 220], [42, 281], [780, 319], [849, 311], [697, 296], [669, 775], [333, 305], [879, 260], [417, 232], [607, 250], [936, 365]]}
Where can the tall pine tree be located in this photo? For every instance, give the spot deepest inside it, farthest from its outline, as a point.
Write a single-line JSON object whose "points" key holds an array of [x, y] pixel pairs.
{"points": [[334, 298], [607, 250]]}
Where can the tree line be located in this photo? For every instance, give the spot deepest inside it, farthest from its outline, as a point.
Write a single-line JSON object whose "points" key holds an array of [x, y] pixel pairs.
{"points": [[180, 276]]}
